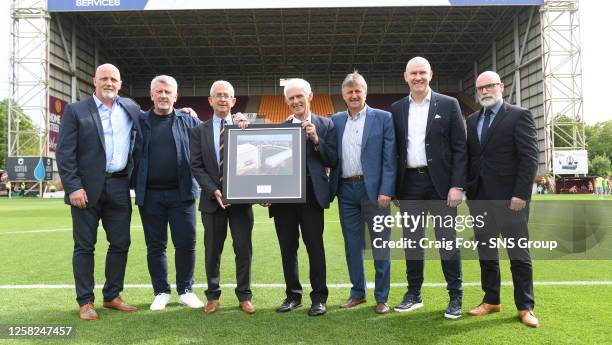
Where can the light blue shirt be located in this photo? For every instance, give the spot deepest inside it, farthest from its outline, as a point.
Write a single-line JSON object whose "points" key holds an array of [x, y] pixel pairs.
{"points": [[117, 129], [494, 111], [351, 144], [217, 131]]}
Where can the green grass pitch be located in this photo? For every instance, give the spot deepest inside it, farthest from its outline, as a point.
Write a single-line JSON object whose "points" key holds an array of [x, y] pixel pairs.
{"points": [[36, 248]]}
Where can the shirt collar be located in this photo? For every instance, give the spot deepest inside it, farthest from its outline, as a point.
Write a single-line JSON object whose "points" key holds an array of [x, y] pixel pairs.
{"points": [[427, 98], [99, 102], [496, 107], [308, 118], [361, 112], [217, 119]]}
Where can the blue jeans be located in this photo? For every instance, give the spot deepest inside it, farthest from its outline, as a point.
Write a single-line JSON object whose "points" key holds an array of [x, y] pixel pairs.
{"points": [[353, 212], [160, 208]]}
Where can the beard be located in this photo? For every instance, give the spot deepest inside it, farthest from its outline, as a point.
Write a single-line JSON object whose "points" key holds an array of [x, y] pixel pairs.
{"points": [[489, 101]]}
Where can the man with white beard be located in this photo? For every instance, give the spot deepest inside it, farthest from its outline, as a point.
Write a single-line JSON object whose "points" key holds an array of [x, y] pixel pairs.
{"points": [[503, 161]]}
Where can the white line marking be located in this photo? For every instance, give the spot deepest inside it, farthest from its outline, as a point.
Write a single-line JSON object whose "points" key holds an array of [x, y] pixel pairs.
{"points": [[331, 286]]}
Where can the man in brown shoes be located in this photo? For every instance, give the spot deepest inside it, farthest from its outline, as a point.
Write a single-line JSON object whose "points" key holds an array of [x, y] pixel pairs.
{"points": [[503, 160], [118, 304]]}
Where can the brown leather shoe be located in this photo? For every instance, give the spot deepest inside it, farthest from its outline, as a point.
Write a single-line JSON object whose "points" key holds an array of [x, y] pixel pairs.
{"points": [[118, 304], [352, 302], [247, 307], [528, 318], [382, 308], [484, 309], [212, 306], [88, 312]]}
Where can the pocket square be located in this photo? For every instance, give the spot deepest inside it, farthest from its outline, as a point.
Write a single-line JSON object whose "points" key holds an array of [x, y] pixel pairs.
{"points": [[437, 117]]}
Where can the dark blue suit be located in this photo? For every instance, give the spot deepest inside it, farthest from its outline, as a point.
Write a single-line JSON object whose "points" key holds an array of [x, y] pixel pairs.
{"points": [[378, 163], [81, 162], [425, 190], [175, 206], [290, 218]]}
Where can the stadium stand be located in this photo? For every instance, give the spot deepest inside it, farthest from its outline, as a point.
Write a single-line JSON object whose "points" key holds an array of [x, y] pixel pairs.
{"points": [[275, 109]]}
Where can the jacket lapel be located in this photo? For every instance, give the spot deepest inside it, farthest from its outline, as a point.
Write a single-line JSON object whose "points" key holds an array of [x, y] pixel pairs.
{"points": [[501, 114], [340, 130], [369, 120], [93, 110], [209, 136], [433, 109], [405, 113]]}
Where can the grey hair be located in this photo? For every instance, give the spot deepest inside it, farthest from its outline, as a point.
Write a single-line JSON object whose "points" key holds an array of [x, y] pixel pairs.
{"points": [[224, 83], [165, 79], [355, 79], [299, 84]]}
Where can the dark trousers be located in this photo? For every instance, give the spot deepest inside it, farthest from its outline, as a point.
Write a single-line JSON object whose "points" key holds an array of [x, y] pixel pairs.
{"points": [[511, 225], [114, 208], [355, 210], [289, 219], [420, 198], [160, 208], [240, 219]]}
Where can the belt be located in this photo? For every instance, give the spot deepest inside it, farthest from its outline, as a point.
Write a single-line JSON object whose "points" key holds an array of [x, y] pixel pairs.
{"points": [[356, 178], [420, 170], [115, 174]]}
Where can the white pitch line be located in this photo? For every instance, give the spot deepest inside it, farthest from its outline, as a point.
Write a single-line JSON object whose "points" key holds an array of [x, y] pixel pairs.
{"points": [[332, 286]]}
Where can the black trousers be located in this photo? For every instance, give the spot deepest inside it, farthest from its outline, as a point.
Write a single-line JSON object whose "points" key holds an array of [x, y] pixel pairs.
{"points": [[114, 208], [289, 219], [240, 219], [512, 226], [419, 197], [160, 208]]}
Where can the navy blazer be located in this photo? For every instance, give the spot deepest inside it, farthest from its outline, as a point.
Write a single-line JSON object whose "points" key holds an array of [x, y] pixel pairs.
{"points": [[378, 153], [80, 154], [181, 124], [445, 142], [507, 162], [204, 165], [320, 158]]}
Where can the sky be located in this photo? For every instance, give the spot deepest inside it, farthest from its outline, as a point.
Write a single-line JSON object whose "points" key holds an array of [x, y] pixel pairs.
{"points": [[596, 54]]}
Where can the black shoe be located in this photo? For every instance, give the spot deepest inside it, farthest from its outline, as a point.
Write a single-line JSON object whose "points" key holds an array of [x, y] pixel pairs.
{"points": [[409, 303], [288, 305], [317, 309], [454, 308]]}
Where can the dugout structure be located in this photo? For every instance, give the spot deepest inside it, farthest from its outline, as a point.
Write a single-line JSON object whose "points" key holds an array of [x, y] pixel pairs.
{"points": [[533, 44]]}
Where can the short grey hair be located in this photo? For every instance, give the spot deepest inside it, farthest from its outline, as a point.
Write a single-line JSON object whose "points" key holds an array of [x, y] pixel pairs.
{"points": [[165, 79], [355, 79], [297, 83], [224, 83]]}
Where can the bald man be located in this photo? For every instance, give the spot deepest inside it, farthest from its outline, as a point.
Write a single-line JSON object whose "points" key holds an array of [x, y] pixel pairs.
{"points": [[97, 138], [503, 161], [431, 171]]}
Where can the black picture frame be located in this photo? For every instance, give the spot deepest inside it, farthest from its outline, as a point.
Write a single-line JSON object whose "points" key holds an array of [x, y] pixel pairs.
{"points": [[264, 163]]}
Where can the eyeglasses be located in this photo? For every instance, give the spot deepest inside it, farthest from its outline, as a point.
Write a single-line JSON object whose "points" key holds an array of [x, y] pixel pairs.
{"points": [[487, 87], [222, 96]]}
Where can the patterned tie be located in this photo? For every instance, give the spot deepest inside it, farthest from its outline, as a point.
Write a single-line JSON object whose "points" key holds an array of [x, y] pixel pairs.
{"points": [[485, 125], [221, 144]]}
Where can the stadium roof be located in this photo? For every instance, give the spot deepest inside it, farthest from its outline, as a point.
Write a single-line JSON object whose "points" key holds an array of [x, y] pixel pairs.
{"points": [[265, 42]]}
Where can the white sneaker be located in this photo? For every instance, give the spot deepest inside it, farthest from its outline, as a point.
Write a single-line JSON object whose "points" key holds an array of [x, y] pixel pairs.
{"points": [[191, 300], [160, 301]]}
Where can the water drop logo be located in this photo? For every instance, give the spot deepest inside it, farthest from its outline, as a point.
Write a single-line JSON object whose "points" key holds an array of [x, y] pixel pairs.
{"points": [[39, 172]]}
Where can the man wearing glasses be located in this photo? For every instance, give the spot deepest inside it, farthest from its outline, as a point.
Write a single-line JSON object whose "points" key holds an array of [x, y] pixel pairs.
{"points": [[206, 143], [503, 161]]}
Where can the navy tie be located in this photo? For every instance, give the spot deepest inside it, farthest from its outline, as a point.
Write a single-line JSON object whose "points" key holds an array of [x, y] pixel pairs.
{"points": [[485, 125], [221, 147]]}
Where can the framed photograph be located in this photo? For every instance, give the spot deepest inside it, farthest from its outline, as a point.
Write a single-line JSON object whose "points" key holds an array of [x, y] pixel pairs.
{"points": [[264, 163]]}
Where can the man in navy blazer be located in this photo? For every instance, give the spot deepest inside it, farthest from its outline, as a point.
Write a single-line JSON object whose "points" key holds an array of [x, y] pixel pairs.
{"points": [[431, 172], [503, 156], [365, 172], [289, 219], [97, 139], [165, 193]]}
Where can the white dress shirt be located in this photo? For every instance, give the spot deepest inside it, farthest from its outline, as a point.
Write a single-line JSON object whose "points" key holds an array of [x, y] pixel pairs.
{"points": [[417, 126], [351, 144]]}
